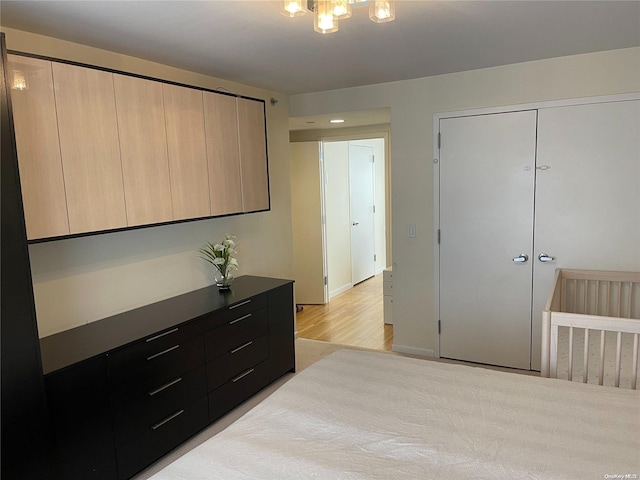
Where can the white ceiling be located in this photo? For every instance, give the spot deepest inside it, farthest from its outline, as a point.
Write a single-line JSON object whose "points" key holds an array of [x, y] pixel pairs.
{"points": [[251, 43]]}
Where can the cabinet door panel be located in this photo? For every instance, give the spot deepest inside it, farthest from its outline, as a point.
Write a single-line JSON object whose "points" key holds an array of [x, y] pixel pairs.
{"points": [[89, 146], [253, 155], [143, 148], [184, 117], [221, 125], [34, 115]]}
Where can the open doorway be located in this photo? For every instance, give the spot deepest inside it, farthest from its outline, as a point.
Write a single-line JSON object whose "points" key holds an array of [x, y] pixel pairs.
{"points": [[339, 283]]}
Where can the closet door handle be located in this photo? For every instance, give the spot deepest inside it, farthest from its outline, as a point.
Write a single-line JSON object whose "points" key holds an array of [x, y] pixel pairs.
{"points": [[522, 258], [543, 257]]}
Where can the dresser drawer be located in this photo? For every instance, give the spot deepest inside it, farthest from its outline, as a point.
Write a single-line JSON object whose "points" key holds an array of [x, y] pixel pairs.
{"points": [[145, 377], [159, 403], [236, 332], [241, 387], [125, 359], [235, 311], [160, 437], [236, 361]]}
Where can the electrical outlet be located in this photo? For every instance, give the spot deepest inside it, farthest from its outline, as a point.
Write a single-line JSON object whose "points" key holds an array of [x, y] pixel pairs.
{"points": [[411, 231]]}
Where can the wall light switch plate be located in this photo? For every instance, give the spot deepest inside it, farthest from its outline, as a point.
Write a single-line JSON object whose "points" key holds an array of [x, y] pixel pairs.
{"points": [[411, 231]]}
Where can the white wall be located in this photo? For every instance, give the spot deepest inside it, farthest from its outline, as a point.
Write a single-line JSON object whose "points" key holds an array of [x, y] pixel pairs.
{"points": [[413, 104], [80, 280]]}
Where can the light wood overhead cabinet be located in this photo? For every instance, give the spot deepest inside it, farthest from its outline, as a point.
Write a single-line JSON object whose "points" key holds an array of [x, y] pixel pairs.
{"points": [[184, 118], [223, 154], [102, 150], [34, 114], [89, 146], [253, 155], [143, 149]]}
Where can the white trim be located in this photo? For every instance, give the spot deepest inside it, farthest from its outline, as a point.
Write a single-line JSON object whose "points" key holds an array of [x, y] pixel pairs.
{"points": [[338, 291], [420, 352], [624, 97]]}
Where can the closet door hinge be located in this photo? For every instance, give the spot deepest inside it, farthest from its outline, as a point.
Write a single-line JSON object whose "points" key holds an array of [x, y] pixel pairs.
{"points": [[439, 237], [439, 327], [375, 257], [325, 280], [439, 140]]}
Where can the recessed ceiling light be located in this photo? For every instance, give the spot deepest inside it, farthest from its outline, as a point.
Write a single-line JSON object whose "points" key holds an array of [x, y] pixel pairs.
{"points": [[336, 120]]}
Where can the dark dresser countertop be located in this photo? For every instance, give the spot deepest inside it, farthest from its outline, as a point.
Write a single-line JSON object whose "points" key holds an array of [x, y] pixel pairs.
{"points": [[72, 346]]}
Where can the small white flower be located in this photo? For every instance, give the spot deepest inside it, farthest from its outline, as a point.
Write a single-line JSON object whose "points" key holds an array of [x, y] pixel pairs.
{"points": [[218, 261], [219, 248]]}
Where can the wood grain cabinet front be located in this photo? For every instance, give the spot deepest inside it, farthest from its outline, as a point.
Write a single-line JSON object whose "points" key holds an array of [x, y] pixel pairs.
{"points": [[101, 150], [253, 155], [36, 127], [143, 150], [88, 131], [223, 153], [184, 118]]}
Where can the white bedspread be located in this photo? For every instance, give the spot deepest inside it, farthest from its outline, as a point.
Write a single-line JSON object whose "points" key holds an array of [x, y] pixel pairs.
{"points": [[362, 415]]}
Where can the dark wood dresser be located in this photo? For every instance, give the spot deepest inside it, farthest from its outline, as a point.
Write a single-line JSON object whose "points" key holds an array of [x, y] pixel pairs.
{"points": [[125, 390]]}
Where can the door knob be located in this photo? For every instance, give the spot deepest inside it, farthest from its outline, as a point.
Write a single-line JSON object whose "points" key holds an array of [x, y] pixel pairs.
{"points": [[355, 224], [522, 258], [543, 257]]}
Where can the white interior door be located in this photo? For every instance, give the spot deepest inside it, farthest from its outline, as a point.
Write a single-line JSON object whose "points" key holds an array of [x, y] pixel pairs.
{"points": [[587, 194], [487, 169], [361, 199], [306, 220]]}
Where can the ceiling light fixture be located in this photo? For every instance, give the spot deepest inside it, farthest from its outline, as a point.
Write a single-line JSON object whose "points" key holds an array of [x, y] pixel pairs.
{"points": [[327, 12]]}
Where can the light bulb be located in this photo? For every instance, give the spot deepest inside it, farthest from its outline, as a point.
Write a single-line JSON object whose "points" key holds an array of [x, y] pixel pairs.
{"points": [[293, 8]]}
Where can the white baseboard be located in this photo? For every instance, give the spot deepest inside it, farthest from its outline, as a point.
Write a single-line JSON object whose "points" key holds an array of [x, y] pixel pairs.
{"points": [[419, 352], [340, 290], [380, 270]]}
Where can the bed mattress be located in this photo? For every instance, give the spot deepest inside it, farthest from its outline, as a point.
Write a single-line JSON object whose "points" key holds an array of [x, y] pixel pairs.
{"points": [[364, 415]]}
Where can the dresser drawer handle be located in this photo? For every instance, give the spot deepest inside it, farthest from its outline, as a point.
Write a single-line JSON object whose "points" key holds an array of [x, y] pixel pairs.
{"points": [[242, 375], [173, 330], [168, 419], [238, 319], [239, 304], [165, 386], [241, 347], [163, 352]]}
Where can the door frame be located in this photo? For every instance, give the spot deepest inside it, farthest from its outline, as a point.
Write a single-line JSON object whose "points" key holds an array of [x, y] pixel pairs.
{"points": [[385, 135], [436, 170]]}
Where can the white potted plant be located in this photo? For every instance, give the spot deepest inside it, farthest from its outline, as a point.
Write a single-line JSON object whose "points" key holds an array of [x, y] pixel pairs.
{"points": [[221, 256]]}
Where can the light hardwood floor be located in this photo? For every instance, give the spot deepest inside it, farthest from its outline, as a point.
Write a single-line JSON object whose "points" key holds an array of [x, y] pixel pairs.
{"points": [[353, 318]]}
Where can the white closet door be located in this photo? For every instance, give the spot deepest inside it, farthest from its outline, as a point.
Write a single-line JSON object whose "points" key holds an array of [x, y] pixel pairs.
{"points": [[587, 194], [361, 202], [486, 220]]}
